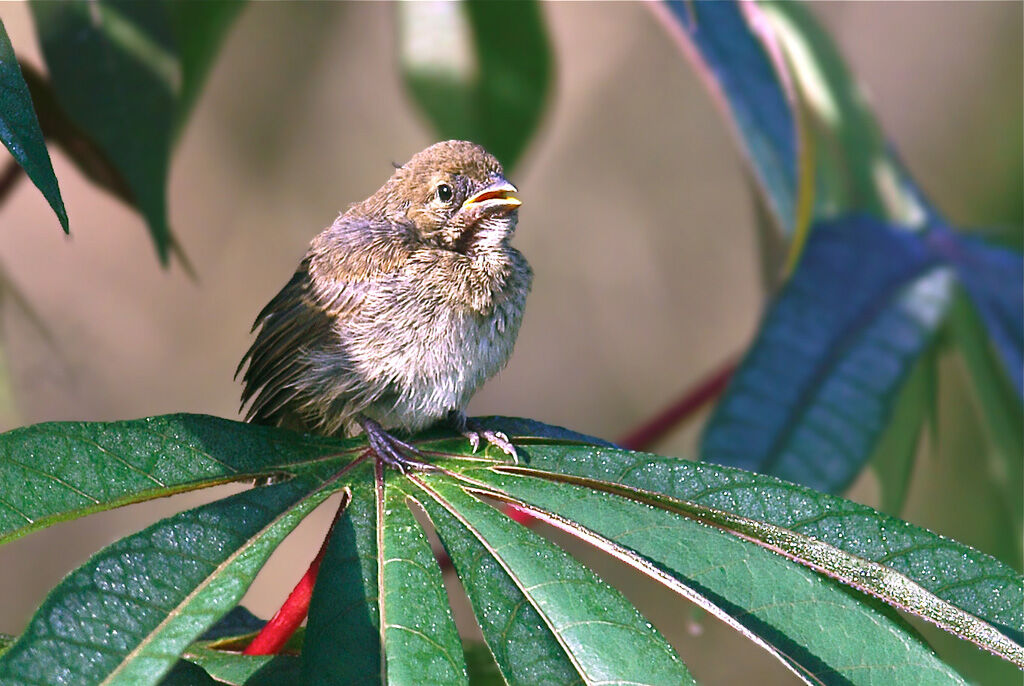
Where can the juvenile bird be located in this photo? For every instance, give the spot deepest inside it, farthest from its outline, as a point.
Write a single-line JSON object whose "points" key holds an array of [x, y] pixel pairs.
{"points": [[399, 311]]}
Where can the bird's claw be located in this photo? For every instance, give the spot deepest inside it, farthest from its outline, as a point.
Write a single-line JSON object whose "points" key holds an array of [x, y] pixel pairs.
{"points": [[496, 438], [393, 451], [474, 433]]}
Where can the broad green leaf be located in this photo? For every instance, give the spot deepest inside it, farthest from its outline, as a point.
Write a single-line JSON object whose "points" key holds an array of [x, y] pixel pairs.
{"points": [[20, 132], [62, 470], [604, 636], [739, 62], [787, 609], [524, 646], [816, 389], [955, 573], [407, 598], [126, 74], [377, 566], [283, 670], [115, 71], [420, 639], [61, 131], [126, 614], [343, 643], [480, 71], [219, 652]]}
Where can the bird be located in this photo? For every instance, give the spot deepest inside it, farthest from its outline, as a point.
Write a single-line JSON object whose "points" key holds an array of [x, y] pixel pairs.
{"points": [[399, 311]]}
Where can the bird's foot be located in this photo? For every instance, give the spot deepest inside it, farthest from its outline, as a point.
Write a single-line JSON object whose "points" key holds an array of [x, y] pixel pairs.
{"points": [[475, 432], [393, 451]]}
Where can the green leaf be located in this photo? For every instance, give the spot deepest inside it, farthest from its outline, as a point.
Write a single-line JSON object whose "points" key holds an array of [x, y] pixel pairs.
{"points": [[854, 168], [524, 646], [998, 402], [62, 470], [398, 587], [815, 391], [787, 609], [993, 278], [896, 450], [420, 639], [20, 132], [114, 69], [125, 616], [283, 670], [343, 643], [740, 70], [217, 652], [606, 639], [239, 622], [955, 573], [187, 674], [236, 668], [60, 130], [480, 71], [704, 531], [480, 665], [126, 74]]}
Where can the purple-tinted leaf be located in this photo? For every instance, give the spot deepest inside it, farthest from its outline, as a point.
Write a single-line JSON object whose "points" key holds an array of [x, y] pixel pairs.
{"points": [[723, 41], [994, 278], [817, 387]]}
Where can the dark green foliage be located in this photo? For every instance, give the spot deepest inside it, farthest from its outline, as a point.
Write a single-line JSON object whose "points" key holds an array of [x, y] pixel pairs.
{"points": [[19, 129], [480, 71], [126, 74], [541, 612]]}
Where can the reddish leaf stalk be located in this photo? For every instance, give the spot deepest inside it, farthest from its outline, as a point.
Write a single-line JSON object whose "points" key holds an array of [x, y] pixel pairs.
{"points": [[282, 626], [694, 399]]}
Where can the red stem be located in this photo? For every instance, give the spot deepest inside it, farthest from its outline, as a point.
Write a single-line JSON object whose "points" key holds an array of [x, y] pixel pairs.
{"points": [[692, 400], [275, 633]]}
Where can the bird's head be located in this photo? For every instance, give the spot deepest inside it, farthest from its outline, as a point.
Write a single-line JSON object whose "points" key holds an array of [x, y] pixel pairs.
{"points": [[455, 194]]}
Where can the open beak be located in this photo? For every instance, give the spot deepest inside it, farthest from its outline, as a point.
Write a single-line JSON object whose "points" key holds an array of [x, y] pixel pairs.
{"points": [[498, 198]]}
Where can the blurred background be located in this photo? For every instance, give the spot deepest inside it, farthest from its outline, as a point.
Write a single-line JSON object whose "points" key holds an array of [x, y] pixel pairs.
{"points": [[637, 218]]}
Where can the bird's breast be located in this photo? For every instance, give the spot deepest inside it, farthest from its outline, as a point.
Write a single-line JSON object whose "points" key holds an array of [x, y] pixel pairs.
{"points": [[432, 352]]}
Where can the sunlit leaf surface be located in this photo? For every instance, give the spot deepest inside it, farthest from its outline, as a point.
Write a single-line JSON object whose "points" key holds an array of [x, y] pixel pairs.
{"points": [[709, 533]]}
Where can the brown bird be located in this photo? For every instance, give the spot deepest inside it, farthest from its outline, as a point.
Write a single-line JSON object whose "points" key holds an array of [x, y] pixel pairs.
{"points": [[399, 311]]}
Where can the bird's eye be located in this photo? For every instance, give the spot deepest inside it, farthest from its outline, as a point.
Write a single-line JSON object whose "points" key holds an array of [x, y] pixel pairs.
{"points": [[445, 193]]}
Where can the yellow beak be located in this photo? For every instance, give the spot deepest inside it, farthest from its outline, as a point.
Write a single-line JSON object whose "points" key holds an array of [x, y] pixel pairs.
{"points": [[498, 196]]}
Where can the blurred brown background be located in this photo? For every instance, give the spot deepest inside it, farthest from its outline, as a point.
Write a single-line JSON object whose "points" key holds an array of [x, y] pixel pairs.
{"points": [[637, 220]]}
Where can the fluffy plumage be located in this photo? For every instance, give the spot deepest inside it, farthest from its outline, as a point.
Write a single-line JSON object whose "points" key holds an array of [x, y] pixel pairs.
{"points": [[401, 309]]}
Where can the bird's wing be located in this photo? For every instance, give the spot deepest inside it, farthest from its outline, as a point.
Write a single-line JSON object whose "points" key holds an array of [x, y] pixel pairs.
{"points": [[342, 265]]}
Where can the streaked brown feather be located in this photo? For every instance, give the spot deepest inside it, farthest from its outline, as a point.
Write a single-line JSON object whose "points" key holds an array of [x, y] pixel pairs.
{"points": [[326, 288]]}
